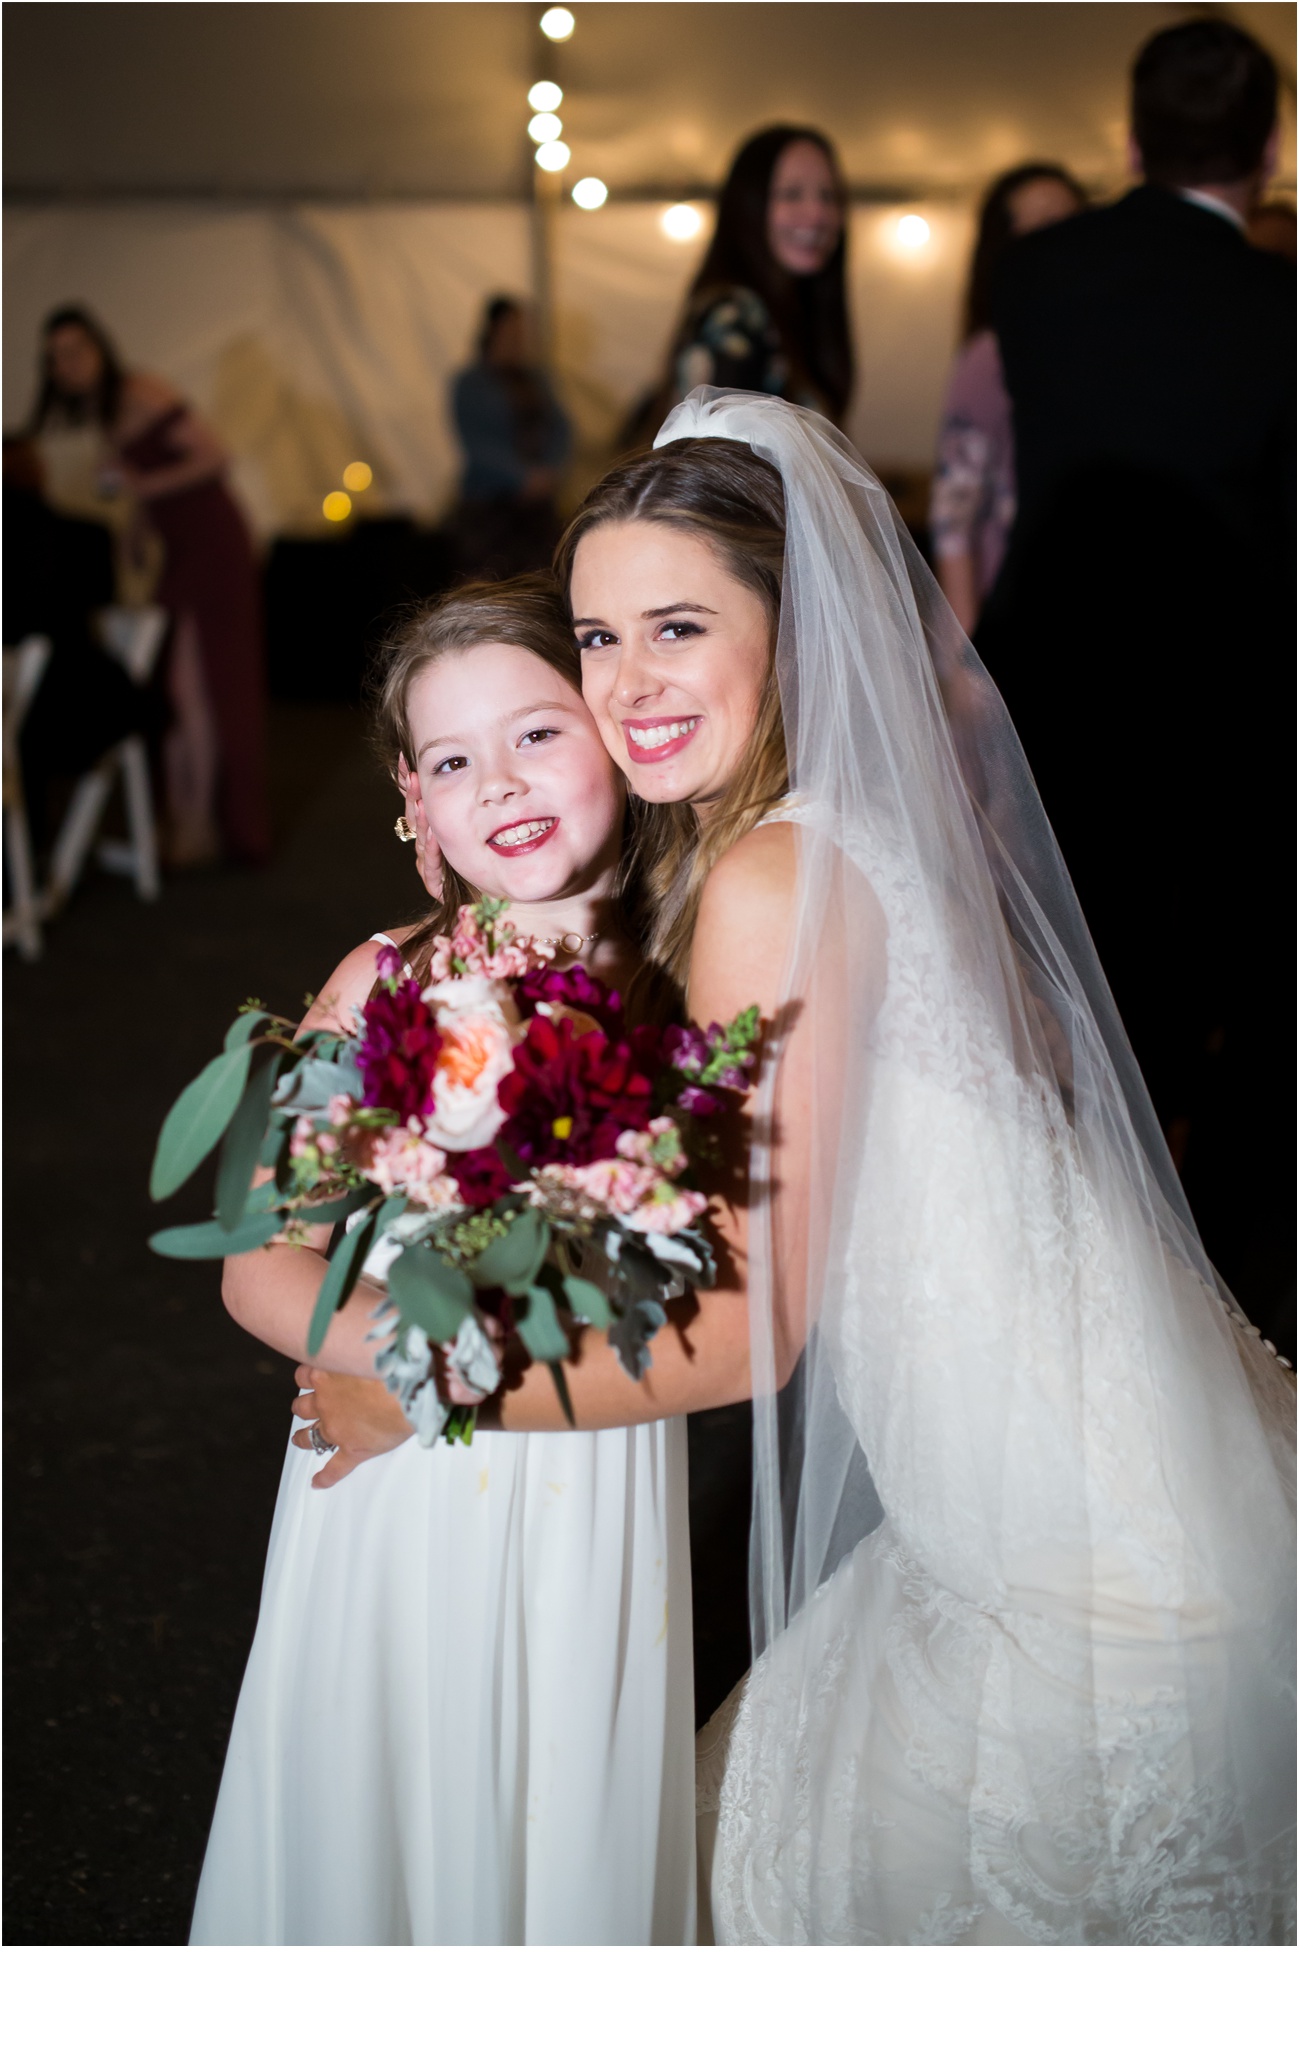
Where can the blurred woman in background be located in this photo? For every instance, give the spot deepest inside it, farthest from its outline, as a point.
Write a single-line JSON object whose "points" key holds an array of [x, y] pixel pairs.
{"points": [[172, 465], [767, 309], [973, 504], [516, 439]]}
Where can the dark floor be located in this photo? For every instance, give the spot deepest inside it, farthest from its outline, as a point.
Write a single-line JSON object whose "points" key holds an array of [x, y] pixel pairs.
{"points": [[145, 1431]]}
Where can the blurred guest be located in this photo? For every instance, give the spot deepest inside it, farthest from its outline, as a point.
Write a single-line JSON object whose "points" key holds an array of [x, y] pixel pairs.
{"points": [[1141, 628], [516, 440], [1271, 226], [767, 309], [58, 573], [172, 465], [972, 507]]}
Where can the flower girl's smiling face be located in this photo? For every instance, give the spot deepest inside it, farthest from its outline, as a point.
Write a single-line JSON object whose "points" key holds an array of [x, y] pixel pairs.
{"points": [[675, 652], [521, 795]]}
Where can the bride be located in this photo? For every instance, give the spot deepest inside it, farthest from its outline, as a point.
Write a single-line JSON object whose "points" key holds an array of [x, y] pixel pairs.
{"points": [[1023, 1515]]}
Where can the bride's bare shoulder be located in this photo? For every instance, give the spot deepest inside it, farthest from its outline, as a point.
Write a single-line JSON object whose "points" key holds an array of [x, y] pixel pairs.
{"points": [[744, 916]]}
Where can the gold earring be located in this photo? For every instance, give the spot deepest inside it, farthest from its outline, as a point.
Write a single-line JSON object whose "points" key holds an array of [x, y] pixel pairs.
{"points": [[404, 829]]}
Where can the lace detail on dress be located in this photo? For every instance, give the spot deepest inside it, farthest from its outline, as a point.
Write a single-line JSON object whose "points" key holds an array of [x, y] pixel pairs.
{"points": [[997, 1726]]}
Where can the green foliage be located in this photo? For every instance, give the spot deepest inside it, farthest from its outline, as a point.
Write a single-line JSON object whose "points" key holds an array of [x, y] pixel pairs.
{"points": [[430, 1294], [587, 1301], [198, 1118], [210, 1241], [243, 1027], [341, 1275], [513, 1260], [539, 1327], [242, 1146]]}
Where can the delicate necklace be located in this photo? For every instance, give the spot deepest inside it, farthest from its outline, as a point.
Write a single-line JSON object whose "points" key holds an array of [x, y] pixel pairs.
{"points": [[573, 942]]}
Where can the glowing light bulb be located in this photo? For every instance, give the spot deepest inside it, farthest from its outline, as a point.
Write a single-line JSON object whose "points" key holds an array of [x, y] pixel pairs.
{"points": [[545, 96], [358, 476], [588, 193], [553, 156], [545, 127], [558, 24], [912, 231], [681, 223], [337, 506]]}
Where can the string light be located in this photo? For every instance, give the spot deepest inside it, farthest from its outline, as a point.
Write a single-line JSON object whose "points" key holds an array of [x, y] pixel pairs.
{"points": [[558, 24], [681, 223], [358, 476], [553, 156], [912, 231], [588, 193], [545, 127], [337, 506], [545, 96]]}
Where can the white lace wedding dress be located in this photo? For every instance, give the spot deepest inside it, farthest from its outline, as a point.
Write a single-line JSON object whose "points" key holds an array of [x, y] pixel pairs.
{"points": [[468, 1714], [1003, 1717]]}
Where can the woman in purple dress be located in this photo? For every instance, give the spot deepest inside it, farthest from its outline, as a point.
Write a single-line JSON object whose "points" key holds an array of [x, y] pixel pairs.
{"points": [[972, 507], [171, 462]]}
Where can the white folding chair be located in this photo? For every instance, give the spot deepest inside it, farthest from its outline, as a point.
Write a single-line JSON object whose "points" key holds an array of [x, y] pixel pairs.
{"points": [[24, 665], [133, 634]]}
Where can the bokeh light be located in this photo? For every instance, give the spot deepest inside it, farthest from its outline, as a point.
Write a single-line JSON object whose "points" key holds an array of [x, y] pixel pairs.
{"points": [[912, 231], [545, 127], [681, 223], [358, 476], [558, 24], [553, 156], [545, 96], [337, 506], [588, 193]]}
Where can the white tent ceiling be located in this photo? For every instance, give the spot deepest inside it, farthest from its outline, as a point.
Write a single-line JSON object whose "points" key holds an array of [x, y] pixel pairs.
{"points": [[425, 101]]}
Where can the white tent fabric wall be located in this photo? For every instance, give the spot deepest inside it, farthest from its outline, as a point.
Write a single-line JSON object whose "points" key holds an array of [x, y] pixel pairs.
{"points": [[316, 336]]}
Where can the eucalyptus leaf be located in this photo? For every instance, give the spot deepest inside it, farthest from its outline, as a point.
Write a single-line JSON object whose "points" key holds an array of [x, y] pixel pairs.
{"points": [[197, 1119], [243, 1028], [630, 1336], [309, 1086], [513, 1261], [560, 1377], [335, 1211], [274, 1144], [539, 1327], [243, 1143], [587, 1301], [210, 1241], [434, 1296], [341, 1275]]}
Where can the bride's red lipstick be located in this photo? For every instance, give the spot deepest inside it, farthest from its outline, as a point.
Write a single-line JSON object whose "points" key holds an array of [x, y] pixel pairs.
{"points": [[524, 845], [668, 747]]}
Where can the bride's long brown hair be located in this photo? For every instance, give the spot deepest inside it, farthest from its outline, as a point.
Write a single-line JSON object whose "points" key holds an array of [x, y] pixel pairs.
{"points": [[733, 499]]}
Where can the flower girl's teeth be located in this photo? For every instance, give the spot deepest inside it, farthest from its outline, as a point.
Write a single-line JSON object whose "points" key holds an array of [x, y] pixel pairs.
{"points": [[522, 838], [643, 740]]}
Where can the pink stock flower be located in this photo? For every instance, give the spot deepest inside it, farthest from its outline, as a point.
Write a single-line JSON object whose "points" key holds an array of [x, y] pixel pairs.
{"points": [[638, 1194], [496, 951], [659, 1145], [403, 1162], [303, 1140]]}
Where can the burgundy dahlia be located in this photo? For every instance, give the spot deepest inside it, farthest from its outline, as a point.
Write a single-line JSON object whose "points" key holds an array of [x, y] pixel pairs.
{"points": [[399, 1050], [482, 1176], [576, 988], [570, 1094]]}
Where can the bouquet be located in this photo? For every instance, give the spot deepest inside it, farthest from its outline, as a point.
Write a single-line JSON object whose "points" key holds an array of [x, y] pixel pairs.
{"points": [[511, 1157]]}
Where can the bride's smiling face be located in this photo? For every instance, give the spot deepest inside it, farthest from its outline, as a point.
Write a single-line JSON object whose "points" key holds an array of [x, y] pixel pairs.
{"points": [[675, 654], [519, 791]]}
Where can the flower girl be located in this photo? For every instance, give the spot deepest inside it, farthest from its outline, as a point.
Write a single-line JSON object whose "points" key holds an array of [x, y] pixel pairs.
{"points": [[468, 1712]]}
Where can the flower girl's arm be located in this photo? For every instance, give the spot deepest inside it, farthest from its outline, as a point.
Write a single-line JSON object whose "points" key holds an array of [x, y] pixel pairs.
{"points": [[272, 1292]]}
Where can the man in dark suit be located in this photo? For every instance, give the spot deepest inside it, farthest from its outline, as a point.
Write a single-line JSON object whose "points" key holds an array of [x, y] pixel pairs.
{"points": [[1141, 630]]}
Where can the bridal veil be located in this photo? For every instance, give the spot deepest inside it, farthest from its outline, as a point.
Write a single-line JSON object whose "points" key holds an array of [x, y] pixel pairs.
{"points": [[1022, 1565]]}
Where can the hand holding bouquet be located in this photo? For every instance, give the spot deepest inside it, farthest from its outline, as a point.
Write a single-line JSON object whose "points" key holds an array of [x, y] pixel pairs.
{"points": [[519, 1160]]}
